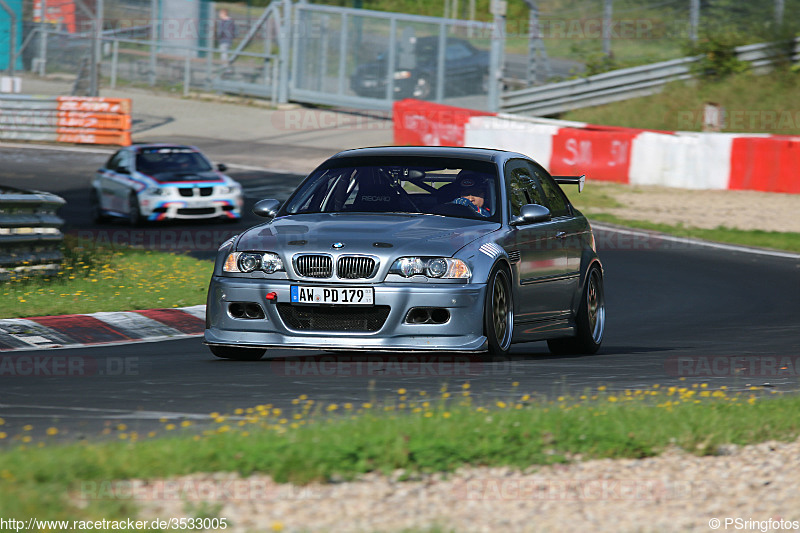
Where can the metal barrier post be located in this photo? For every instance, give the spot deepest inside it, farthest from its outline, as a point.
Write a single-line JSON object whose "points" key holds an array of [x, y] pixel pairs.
{"points": [[12, 42], [342, 53], [43, 39], [114, 62], [392, 61], [187, 74], [440, 62]]}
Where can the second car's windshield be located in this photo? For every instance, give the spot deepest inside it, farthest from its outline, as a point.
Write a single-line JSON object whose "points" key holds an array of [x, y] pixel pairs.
{"points": [[177, 162], [448, 187]]}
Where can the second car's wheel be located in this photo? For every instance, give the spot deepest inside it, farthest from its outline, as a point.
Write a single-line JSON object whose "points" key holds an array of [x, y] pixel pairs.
{"points": [[98, 215], [498, 314], [423, 89], [240, 354], [590, 321], [134, 213]]}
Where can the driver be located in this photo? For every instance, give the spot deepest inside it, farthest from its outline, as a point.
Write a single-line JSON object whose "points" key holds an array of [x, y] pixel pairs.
{"points": [[472, 194]]}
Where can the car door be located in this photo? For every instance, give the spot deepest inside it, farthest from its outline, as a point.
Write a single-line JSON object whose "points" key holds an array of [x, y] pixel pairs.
{"points": [[105, 183], [543, 262], [119, 182]]}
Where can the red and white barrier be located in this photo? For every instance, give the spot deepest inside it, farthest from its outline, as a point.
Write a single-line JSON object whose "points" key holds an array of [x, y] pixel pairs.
{"points": [[687, 160]]}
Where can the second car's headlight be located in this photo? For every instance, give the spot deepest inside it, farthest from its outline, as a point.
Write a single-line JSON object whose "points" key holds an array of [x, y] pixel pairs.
{"points": [[158, 191], [267, 262], [433, 267], [402, 74], [228, 189]]}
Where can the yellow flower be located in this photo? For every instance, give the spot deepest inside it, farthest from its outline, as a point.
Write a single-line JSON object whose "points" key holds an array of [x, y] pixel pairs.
{"points": [[366, 405], [277, 526], [169, 427], [601, 388], [27, 427], [465, 386], [401, 391], [52, 431], [612, 399], [332, 407], [186, 424], [446, 415], [501, 404]]}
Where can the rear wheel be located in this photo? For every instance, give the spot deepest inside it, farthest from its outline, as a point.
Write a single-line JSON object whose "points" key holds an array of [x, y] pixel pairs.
{"points": [[498, 321], [590, 321], [98, 214], [423, 89], [240, 354]]}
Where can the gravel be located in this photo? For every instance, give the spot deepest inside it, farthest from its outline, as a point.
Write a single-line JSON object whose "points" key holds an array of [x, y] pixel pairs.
{"points": [[675, 491]]}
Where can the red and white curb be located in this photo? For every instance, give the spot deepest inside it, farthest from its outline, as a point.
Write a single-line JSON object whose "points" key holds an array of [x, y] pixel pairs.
{"points": [[70, 331]]}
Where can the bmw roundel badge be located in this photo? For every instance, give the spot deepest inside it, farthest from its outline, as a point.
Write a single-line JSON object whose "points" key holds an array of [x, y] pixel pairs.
{"points": [[338, 245]]}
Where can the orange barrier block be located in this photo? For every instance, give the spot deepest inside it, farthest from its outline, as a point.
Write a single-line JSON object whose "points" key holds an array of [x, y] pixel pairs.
{"points": [[101, 121], [92, 104], [68, 135], [765, 164]]}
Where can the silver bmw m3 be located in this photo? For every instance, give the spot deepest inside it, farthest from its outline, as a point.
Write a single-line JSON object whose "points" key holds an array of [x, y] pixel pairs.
{"points": [[412, 248]]}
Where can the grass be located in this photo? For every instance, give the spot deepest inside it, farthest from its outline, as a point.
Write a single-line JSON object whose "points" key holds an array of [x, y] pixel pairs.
{"points": [[411, 431], [96, 279], [598, 198], [753, 104], [761, 239]]}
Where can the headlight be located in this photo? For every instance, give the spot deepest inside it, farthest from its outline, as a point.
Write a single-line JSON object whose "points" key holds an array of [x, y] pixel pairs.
{"points": [[433, 267], [158, 191], [402, 74], [267, 262], [228, 189]]}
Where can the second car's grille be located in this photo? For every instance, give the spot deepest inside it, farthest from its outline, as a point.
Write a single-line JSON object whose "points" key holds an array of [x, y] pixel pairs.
{"points": [[186, 192], [311, 318], [314, 266], [355, 267], [196, 211], [206, 191]]}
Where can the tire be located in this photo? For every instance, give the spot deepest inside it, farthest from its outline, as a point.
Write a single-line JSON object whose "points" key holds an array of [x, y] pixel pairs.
{"points": [[590, 321], [98, 215], [498, 312], [240, 354], [423, 90], [134, 214]]}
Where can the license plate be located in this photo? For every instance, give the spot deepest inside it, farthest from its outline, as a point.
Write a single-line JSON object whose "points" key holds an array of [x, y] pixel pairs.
{"points": [[201, 204], [332, 295]]}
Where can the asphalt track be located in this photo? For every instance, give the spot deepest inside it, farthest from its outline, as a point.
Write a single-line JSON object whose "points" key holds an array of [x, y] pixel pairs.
{"points": [[678, 314]]}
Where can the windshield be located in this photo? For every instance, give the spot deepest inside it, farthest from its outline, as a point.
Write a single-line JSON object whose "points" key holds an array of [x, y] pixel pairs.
{"points": [[449, 187], [176, 162]]}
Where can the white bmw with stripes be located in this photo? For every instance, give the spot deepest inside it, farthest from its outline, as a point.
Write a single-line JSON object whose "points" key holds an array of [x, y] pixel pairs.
{"points": [[412, 248], [154, 182]]}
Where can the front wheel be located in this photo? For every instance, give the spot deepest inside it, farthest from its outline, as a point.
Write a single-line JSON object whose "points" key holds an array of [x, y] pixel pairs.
{"points": [[240, 354], [498, 322], [590, 321], [134, 213]]}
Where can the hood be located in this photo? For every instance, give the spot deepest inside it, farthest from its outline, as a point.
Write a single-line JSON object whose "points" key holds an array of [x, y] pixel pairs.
{"points": [[186, 176], [375, 234]]}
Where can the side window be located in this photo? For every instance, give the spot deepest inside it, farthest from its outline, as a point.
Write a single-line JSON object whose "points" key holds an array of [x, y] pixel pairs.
{"points": [[521, 186], [124, 162], [556, 201]]}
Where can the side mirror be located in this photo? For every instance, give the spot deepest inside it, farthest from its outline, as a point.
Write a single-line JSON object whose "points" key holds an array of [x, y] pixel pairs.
{"points": [[267, 208], [222, 167], [531, 214]]}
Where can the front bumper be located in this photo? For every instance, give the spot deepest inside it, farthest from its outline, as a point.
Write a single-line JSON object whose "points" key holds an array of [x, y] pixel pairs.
{"points": [[463, 332], [229, 208]]}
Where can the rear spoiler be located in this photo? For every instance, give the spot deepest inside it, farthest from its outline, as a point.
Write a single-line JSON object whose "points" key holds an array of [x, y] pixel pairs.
{"points": [[580, 181]]}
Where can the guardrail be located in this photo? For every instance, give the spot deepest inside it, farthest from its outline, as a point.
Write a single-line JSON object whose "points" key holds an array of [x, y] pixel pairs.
{"points": [[68, 119], [30, 234], [623, 84]]}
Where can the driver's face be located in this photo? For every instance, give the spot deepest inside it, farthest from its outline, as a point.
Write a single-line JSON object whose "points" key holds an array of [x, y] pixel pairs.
{"points": [[475, 196]]}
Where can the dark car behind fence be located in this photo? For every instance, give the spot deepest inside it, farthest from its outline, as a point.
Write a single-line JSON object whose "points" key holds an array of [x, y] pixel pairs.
{"points": [[30, 233]]}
